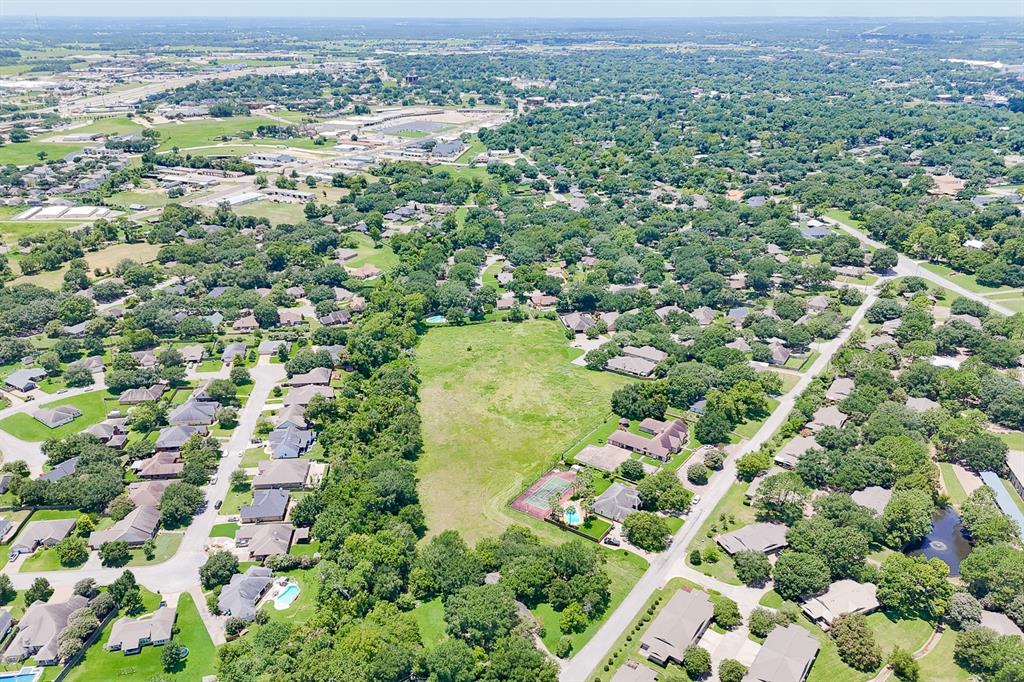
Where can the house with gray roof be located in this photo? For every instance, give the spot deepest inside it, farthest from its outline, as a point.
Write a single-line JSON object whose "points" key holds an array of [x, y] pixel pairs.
{"points": [[815, 233], [704, 315], [53, 417], [827, 416], [617, 502], [193, 412], [1000, 623], [839, 389], [737, 315], [680, 624], [129, 635], [265, 539], [134, 396], [628, 365], [318, 376], [577, 322], [232, 351], [173, 438], [138, 526], [792, 451], [302, 395], [238, 598], [45, 533], [267, 505], [25, 380], [289, 441], [766, 538], [6, 623], [39, 631], [61, 470], [289, 474], [271, 347], [335, 318], [786, 656], [921, 404], [161, 465], [649, 353], [842, 597], [876, 498]]}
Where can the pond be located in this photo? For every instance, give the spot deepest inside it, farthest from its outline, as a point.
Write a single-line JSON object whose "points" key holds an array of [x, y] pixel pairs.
{"points": [[946, 541]]}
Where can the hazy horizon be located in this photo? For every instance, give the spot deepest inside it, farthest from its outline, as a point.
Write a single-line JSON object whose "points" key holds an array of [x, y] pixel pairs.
{"points": [[521, 9]]}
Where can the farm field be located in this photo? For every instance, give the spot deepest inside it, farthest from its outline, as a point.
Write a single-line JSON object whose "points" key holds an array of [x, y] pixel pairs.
{"points": [[498, 402]]}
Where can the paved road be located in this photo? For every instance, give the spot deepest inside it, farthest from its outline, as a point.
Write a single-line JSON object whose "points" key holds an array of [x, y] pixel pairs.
{"points": [[180, 572], [908, 266], [672, 562]]}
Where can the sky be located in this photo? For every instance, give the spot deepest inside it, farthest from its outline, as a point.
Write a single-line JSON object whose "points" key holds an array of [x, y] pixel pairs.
{"points": [[512, 8]]}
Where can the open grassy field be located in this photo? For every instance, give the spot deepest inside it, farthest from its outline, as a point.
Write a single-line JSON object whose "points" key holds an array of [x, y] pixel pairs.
{"points": [[384, 258], [93, 406], [939, 666], [11, 230], [277, 214], [27, 153], [963, 279], [100, 665], [104, 259], [498, 402], [475, 147]]}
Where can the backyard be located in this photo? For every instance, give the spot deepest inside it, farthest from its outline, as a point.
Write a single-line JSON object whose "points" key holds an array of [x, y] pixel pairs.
{"points": [[100, 665], [499, 402]]}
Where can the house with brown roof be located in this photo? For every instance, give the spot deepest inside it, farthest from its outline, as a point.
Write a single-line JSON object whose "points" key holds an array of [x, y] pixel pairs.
{"points": [[842, 597], [624, 364], [134, 396], [39, 630], [289, 474], [246, 323], [827, 416], [138, 526], [367, 271], [265, 539], [318, 376], [667, 438], [160, 465], [766, 538]]}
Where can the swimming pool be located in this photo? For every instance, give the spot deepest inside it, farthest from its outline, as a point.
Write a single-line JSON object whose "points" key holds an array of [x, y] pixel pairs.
{"points": [[287, 596], [436, 319], [572, 516], [23, 675]]}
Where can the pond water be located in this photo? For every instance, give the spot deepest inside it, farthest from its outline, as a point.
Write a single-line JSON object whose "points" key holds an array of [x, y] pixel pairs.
{"points": [[946, 541]]}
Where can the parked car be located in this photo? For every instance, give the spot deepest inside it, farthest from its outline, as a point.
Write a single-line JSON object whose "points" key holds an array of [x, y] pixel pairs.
{"points": [[217, 504], [614, 542]]}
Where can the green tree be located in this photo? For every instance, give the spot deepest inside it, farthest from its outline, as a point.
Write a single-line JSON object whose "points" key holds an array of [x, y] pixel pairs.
{"points": [[752, 567], [218, 569], [72, 551], [907, 518], [40, 590], [115, 553], [480, 614], [647, 531], [856, 642], [731, 670], [798, 575]]}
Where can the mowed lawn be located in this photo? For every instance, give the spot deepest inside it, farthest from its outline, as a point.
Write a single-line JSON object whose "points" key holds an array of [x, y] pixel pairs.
{"points": [[100, 665], [499, 402], [93, 405]]}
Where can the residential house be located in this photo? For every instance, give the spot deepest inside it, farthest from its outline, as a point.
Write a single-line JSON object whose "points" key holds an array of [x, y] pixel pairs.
{"points": [[193, 412], [238, 598], [138, 526], [648, 353], [617, 502], [786, 656], [921, 404], [145, 358], [161, 465], [792, 451], [704, 315], [842, 597], [45, 533], [289, 440], [147, 493], [335, 318], [192, 355], [265, 539], [543, 301], [61, 470], [766, 538], [667, 438], [25, 380], [289, 318], [289, 474], [737, 315], [302, 395], [318, 376], [232, 351], [367, 271], [111, 432], [173, 438], [817, 304], [578, 322], [779, 354], [267, 505], [839, 389], [134, 396], [827, 416], [876, 498], [272, 347], [131, 634], [680, 624], [53, 417], [39, 630], [636, 367], [244, 324]]}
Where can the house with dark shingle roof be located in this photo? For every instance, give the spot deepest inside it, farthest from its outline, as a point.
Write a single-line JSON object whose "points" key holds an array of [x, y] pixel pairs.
{"points": [[267, 505], [238, 598], [617, 502]]}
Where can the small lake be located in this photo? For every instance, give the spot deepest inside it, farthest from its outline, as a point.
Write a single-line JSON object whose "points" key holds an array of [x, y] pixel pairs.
{"points": [[946, 541]]}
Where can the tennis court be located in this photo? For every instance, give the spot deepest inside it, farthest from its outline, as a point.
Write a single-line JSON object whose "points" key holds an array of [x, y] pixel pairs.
{"points": [[535, 500]]}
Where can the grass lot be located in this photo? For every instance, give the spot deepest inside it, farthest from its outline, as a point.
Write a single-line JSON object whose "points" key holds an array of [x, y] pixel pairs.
{"points": [[276, 213], [13, 231], [100, 665], [203, 132], [939, 666], [150, 198], [749, 429], [234, 500], [496, 412], [104, 259], [1014, 439], [224, 530], [910, 634], [384, 258], [952, 484], [489, 277], [25, 153], [1014, 494], [966, 281], [430, 620], [475, 147], [44, 560], [467, 172], [166, 545], [737, 514], [252, 457], [93, 406]]}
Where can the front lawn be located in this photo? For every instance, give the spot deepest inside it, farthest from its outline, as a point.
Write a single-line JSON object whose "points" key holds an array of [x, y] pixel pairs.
{"points": [[499, 402], [94, 407], [234, 500], [252, 458], [939, 666], [100, 665], [224, 530], [730, 514], [167, 543], [430, 620]]}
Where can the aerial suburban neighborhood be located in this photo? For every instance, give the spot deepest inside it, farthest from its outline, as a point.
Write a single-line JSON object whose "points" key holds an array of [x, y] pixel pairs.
{"points": [[512, 350]]}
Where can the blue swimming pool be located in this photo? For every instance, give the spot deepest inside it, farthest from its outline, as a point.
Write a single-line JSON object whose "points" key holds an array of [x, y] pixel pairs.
{"points": [[572, 516], [436, 319], [23, 675], [287, 596]]}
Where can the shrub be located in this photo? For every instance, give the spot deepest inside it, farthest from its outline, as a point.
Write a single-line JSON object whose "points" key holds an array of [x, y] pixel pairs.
{"points": [[696, 662], [698, 474], [727, 613], [731, 670]]}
